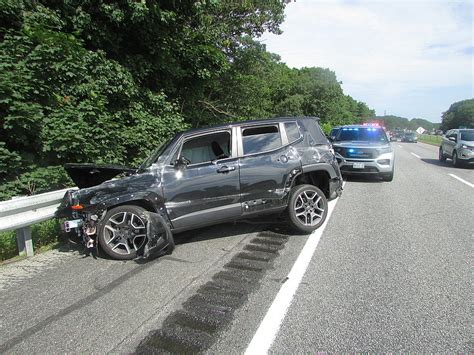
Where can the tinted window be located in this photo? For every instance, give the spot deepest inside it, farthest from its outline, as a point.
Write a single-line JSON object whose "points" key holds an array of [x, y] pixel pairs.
{"points": [[207, 148], [467, 136], [314, 134], [362, 134], [260, 139], [333, 132], [292, 131]]}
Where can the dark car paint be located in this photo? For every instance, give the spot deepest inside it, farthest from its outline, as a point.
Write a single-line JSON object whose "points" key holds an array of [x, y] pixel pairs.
{"points": [[203, 194]]}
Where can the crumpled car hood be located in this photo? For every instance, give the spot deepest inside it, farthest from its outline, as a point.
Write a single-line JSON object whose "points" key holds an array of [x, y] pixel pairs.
{"points": [[88, 175]]}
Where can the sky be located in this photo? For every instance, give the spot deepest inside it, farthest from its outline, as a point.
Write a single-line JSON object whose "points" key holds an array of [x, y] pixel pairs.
{"points": [[404, 58]]}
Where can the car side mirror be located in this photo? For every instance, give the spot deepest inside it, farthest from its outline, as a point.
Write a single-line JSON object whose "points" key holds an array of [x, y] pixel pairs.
{"points": [[331, 138], [182, 162], [452, 139]]}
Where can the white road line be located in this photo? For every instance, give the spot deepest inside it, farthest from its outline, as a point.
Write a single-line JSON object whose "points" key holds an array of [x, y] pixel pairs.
{"points": [[415, 155], [401, 146], [462, 180], [270, 325]]}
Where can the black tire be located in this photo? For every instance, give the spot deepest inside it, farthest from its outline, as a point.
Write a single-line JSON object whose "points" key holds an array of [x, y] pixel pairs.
{"points": [[304, 204], [126, 240], [387, 177], [441, 156], [456, 162]]}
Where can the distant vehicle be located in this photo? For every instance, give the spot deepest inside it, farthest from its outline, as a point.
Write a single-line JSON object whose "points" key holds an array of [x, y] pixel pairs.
{"points": [[395, 135], [458, 145], [365, 150], [410, 137]]}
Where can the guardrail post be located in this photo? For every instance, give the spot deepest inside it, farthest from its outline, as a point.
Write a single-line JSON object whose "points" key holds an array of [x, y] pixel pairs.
{"points": [[25, 244]]}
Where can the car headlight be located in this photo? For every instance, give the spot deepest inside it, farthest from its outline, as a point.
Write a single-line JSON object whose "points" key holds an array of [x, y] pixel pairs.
{"points": [[467, 147]]}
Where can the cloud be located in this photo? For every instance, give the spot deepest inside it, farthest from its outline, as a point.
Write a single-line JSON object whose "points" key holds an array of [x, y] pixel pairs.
{"points": [[388, 54]]}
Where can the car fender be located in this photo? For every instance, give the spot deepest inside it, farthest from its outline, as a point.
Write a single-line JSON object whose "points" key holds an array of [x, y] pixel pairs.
{"points": [[328, 168]]}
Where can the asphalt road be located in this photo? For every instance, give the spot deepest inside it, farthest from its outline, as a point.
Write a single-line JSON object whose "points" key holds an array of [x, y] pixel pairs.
{"points": [[391, 272]]}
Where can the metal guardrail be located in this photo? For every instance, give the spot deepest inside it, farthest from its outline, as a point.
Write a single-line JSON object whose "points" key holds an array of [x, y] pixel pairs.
{"points": [[22, 212]]}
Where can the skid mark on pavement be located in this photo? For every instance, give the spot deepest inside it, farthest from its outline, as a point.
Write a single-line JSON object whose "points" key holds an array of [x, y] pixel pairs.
{"points": [[73, 307], [195, 327]]}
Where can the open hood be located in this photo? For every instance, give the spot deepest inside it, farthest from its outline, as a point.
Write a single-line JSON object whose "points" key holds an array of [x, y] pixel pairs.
{"points": [[87, 175]]}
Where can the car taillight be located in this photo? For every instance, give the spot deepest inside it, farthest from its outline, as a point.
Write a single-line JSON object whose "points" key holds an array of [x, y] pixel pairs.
{"points": [[77, 207]]}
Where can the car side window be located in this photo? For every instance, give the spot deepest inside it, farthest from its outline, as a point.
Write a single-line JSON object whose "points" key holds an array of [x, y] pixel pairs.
{"points": [[292, 131], [260, 139], [206, 148]]}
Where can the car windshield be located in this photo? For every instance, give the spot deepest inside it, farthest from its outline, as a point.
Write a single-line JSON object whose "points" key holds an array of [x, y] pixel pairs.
{"points": [[154, 155], [362, 134], [467, 136]]}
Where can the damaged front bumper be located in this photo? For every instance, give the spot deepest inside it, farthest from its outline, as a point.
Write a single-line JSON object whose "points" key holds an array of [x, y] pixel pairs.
{"points": [[87, 222]]}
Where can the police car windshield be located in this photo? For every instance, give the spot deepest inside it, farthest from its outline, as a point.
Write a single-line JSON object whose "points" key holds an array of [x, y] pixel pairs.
{"points": [[369, 134]]}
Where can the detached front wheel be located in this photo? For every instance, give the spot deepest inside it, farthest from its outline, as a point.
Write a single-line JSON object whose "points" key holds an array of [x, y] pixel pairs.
{"points": [[307, 208], [122, 232]]}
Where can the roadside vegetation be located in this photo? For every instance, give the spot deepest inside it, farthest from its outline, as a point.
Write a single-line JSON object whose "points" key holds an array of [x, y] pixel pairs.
{"points": [[105, 82], [395, 122], [459, 115], [44, 236], [430, 139]]}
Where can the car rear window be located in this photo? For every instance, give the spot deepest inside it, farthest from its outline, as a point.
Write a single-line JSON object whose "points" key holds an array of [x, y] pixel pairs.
{"points": [[292, 131], [361, 134], [313, 134], [260, 139]]}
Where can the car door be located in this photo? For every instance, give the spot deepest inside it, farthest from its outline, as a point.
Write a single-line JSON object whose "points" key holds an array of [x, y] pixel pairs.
{"points": [[266, 163], [206, 189], [450, 143]]}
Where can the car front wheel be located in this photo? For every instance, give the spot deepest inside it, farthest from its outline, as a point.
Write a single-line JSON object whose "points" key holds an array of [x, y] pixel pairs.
{"points": [[307, 208], [456, 162], [441, 156], [122, 232]]}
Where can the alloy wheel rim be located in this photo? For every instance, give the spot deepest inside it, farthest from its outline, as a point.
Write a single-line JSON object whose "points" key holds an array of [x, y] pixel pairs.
{"points": [[309, 208], [125, 233]]}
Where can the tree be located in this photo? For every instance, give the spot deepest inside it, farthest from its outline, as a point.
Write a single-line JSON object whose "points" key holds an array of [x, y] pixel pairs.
{"points": [[106, 81], [459, 114]]}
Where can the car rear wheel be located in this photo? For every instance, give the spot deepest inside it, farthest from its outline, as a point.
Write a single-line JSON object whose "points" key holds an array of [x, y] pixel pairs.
{"points": [[441, 156], [122, 232], [307, 208]]}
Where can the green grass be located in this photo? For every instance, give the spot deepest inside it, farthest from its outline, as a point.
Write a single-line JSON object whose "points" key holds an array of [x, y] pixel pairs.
{"points": [[429, 139], [45, 235]]}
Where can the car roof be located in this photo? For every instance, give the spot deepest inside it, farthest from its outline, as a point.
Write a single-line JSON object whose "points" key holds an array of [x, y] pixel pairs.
{"points": [[239, 123]]}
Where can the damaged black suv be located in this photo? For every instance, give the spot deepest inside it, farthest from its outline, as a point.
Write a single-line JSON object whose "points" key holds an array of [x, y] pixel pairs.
{"points": [[202, 177]]}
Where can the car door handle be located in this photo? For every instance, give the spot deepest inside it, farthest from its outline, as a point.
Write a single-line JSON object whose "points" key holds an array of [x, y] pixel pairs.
{"points": [[225, 169]]}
